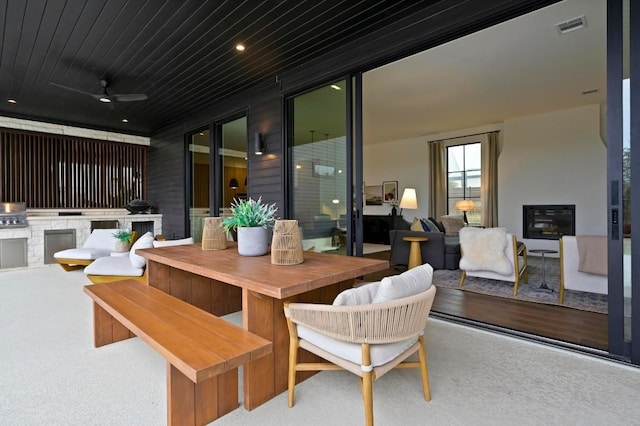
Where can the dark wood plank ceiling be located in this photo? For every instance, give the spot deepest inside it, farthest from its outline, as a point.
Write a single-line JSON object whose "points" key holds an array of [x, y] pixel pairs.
{"points": [[179, 53]]}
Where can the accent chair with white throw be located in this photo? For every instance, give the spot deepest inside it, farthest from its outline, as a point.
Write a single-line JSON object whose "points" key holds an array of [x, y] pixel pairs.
{"points": [[492, 253], [583, 264], [368, 331]]}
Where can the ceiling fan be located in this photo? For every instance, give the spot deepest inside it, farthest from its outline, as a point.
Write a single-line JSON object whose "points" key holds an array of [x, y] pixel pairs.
{"points": [[105, 96]]}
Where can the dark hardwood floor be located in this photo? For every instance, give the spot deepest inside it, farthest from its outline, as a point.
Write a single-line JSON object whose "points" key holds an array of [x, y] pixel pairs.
{"points": [[536, 320]]}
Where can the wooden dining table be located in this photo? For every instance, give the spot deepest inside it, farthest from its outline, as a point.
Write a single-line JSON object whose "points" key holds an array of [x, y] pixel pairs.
{"points": [[222, 282]]}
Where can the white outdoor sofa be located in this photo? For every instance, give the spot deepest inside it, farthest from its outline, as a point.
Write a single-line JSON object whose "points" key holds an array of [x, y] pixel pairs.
{"points": [[100, 243]]}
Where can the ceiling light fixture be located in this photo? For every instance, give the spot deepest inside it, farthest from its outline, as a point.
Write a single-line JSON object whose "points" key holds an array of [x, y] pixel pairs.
{"points": [[12, 101], [240, 47], [104, 99], [336, 87], [124, 120]]}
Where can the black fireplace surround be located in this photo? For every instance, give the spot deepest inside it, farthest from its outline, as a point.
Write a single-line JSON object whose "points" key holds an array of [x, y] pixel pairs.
{"points": [[548, 222]]}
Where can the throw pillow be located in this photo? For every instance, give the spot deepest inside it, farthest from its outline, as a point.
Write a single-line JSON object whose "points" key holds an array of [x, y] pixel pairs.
{"points": [[166, 243], [452, 224], [416, 225], [407, 284], [362, 295], [425, 225], [433, 226], [438, 224], [146, 241], [484, 250]]}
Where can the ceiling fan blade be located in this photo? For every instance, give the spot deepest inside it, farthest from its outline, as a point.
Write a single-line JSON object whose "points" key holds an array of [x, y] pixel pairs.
{"points": [[129, 97], [73, 89]]}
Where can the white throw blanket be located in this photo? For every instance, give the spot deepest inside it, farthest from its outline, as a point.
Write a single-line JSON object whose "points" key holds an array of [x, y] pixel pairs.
{"points": [[592, 254]]}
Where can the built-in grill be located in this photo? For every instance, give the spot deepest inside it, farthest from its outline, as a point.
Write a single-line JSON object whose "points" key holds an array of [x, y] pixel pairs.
{"points": [[13, 215]]}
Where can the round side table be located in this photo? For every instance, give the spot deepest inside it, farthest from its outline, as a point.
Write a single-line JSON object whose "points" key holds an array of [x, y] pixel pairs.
{"points": [[542, 252], [415, 254]]}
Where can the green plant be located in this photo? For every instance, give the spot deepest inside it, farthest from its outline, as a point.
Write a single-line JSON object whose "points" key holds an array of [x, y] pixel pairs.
{"points": [[250, 213], [123, 235]]}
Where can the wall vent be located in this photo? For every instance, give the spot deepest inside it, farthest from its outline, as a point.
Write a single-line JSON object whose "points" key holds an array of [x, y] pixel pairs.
{"points": [[571, 24]]}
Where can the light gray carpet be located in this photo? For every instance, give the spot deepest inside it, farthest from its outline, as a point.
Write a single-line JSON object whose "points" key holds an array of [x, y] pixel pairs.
{"points": [[51, 374]]}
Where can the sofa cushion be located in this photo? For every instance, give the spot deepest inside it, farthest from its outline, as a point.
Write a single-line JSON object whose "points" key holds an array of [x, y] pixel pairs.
{"points": [[146, 241], [82, 253], [407, 284], [361, 295], [102, 239], [167, 243], [452, 224], [484, 250], [113, 266]]}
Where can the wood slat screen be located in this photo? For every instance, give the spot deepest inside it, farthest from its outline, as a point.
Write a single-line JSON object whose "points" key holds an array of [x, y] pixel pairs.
{"points": [[57, 171]]}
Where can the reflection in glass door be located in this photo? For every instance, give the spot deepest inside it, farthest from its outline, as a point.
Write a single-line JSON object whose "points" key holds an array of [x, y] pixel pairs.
{"points": [[199, 163], [233, 163], [318, 144]]}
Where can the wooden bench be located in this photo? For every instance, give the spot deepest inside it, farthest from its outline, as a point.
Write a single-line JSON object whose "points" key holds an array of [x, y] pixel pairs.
{"points": [[203, 352]]}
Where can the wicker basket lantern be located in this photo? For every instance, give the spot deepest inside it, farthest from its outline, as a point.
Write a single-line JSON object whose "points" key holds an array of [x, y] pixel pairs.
{"points": [[286, 245], [213, 235]]}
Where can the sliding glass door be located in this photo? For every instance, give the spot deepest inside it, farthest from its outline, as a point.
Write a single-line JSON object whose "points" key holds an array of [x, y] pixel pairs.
{"points": [[199, 195], [318, 144]]}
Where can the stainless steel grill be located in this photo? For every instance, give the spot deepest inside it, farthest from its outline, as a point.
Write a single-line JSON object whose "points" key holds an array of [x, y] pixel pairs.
{"points": [[13, 215]]}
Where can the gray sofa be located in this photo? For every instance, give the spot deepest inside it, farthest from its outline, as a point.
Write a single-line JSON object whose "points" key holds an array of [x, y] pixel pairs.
{"points": [[440, 251]]}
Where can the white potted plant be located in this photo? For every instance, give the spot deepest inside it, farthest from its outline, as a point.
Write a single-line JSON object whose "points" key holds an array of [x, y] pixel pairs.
{"points": [[252, 220]]}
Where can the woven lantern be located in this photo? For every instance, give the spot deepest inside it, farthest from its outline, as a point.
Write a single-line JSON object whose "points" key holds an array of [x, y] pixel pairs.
{"points": [[213, 235], [286, 244]]}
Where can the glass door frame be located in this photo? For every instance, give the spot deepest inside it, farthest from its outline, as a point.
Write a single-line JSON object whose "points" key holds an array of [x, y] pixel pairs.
{"points": [[619, 345]]}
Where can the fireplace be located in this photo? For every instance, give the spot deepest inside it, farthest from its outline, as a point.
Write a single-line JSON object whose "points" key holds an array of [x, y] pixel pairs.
{"points": [[548, 222]]}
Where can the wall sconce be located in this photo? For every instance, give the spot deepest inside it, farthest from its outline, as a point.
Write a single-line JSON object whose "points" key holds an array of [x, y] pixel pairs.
{"points": [[233, 183], [258, 144]]}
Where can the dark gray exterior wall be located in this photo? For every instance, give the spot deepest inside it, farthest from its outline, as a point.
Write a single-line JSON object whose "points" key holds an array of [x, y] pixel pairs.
{"points": [[264, 104]]}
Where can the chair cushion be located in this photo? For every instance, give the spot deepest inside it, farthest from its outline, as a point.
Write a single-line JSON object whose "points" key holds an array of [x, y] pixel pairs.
{"points": [[352, 352], [407, 284], [362, 295], [102, 239], [82, 253], [113, 266], [484, 250], [146, 241], [173, 242]]}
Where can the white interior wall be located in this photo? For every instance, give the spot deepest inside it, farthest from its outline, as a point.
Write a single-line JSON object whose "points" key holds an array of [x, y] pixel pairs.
{"points": [[405, 161], [552, 158]]}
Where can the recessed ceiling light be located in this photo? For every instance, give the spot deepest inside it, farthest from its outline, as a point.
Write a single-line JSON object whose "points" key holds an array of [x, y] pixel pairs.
{"points": [[335, 86], [201, 133], [12, 101], [105, 100], [124, 120], [240, 47]]}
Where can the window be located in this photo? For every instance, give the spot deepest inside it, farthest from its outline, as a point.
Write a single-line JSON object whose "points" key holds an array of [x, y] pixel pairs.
{"points": [[464, 177]]}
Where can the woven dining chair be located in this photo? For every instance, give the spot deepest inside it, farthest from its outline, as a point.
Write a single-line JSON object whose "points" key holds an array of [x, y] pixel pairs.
{"points": [[368, 340]]}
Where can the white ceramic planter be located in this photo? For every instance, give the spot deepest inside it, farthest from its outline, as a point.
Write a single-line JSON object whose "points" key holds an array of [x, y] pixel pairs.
{"points": [[253, 241]]}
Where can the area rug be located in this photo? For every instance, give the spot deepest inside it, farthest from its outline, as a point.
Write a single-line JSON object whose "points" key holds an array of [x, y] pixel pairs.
{"points": [[527, 292]]}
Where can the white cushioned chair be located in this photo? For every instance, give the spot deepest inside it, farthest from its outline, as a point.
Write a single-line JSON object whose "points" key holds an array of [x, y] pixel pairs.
{"points": [[493, 253], [575, 277], [115, 268], [368, 331], [100, 243]]}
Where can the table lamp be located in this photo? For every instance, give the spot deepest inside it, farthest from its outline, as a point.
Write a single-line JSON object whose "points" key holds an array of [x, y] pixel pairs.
{"points": [[409, 199], [465, 206]]}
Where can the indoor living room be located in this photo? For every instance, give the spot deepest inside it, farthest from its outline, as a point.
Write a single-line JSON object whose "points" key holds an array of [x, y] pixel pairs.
{"points": [[545, 97]]}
